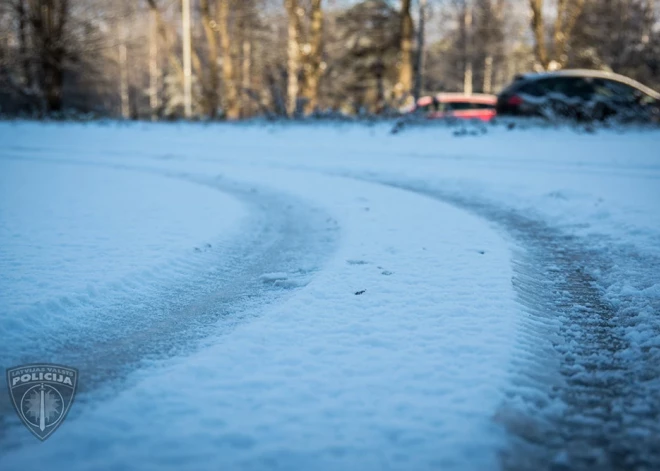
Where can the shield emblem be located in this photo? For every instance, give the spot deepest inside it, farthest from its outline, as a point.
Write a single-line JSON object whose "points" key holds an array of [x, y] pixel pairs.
{"points": [[42, 395]]}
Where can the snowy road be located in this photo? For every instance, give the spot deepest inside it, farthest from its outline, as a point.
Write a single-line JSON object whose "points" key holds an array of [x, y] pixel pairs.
{"points": [[602, 411], [266, 297], [118, 319]]}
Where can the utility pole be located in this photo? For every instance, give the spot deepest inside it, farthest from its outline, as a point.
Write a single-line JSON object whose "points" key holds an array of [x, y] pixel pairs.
{"points": [[187, 60]]}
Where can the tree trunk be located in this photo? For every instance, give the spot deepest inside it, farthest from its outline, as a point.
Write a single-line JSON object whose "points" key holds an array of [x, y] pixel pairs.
{"points": [[538, 29], [211, 90], [571, 11], [488, 74], [246, 74], [467, 72], [558, 28], [568, 12], [293, 56], [499, 74], [380, 86], [313, 70], [165, 37], [123, 73], [404, 84], [53, 82], [187, 58], [230, 96], [419, 60], [153, 66], [277, 98], [49, 19], [23, 43]]}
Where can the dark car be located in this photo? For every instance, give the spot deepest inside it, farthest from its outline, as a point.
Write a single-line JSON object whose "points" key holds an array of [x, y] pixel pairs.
{"points": [[579, 94]]}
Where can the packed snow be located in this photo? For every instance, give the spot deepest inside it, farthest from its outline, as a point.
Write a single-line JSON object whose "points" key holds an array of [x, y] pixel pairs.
{"points": [[334, 296], [69, 229]]}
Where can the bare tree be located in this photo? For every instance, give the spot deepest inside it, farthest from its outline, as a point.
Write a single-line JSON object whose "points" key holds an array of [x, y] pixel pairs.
{"points": [[23, 41], [166, 36], [123, 71], [268, 57], [419, 59], [294, 14], [405, 82], [487, 16], [555, 54], [230, 96], [187, 58], [211, 90], [247, 34], [153, 66], [246, 75], [314, 59], [49, 22], [467, 25]]}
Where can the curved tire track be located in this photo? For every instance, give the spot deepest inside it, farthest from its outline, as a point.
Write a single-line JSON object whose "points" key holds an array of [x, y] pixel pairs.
{"points": [[583, 397], [285, 235]]}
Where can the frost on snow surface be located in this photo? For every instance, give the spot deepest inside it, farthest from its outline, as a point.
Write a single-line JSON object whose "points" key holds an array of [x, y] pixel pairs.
{"points": [[256, 297]]}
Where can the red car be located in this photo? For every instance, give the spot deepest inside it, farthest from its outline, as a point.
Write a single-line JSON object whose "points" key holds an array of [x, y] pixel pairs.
{"points": [[458, 105]]}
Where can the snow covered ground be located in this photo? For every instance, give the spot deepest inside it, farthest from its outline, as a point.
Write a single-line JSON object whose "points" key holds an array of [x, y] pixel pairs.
{"points": [[272, 296]]}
